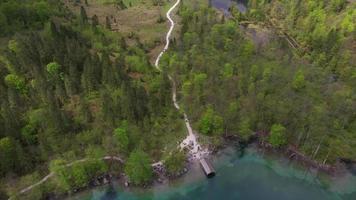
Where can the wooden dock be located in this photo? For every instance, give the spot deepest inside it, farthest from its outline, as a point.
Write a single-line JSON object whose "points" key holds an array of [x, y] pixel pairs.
{"points": [[207, 168]]}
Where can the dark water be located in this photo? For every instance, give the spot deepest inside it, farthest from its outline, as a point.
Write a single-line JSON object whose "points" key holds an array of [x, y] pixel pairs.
{"points": [[226, 4], [251, 176]]}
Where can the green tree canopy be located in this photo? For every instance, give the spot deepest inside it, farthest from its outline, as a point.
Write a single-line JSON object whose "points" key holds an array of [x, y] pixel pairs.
{"points": [[299, 81], [138, 167], [53, 68], [121, 136], [10, 155], [245, 129], [175, 161], [277, 135], [211, 123], [77, 175], [16, 82]]}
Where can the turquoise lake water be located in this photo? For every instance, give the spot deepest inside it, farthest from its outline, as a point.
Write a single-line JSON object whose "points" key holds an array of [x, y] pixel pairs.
{"points": [[251, 176]]}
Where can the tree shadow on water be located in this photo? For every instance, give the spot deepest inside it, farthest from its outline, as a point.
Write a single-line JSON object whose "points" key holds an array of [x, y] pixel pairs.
{"points": [[241, 149], [110, 194]]}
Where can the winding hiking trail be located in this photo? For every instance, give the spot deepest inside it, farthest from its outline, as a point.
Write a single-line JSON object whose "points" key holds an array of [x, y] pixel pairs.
{"points": [[44, 179], [190, 142]]}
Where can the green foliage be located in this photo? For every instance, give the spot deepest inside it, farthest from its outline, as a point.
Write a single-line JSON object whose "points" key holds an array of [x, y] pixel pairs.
{"points": [[136, 63], [187, 86], [16, 82], [277, 135], [75, 107], [347, 24], [245, 131], [228, 71], [38, 192], [24, 15], [80, 84], [299, 81], [3, 22], [77, 175], [13, 46], [35, 119], [138, 167], [199, 79], [175, 162], [121, 136], [7, 155], [11, 156], [338, 5], [211, 123], [252, 88], [53, 68], [28, 133]]}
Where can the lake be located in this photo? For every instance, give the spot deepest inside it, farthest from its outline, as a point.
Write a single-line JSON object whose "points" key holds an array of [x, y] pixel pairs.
{"points": [[247, 176]]}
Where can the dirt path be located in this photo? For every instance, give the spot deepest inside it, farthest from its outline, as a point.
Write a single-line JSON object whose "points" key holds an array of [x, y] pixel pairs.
{"points": [[44, 179], [190, 141]]}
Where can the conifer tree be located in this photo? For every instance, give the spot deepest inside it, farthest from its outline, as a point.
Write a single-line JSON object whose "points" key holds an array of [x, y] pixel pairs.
{"points": [[83, 16], [107, 23], [95, 21]]}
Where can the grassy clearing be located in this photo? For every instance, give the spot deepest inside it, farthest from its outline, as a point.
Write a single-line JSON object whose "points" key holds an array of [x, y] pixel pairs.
{"points": [[141, 18]]}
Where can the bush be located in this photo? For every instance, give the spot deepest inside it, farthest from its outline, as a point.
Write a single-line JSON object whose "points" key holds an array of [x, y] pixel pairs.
{"points": [[53, 68], [16, 82], [277, 136]]}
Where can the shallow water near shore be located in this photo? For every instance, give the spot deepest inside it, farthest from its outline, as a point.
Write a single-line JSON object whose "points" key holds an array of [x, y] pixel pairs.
{"points": [[240, 175]]}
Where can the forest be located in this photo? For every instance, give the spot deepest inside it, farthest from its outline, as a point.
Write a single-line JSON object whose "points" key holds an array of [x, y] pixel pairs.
{"points": [[73, 89], [302, 99]]}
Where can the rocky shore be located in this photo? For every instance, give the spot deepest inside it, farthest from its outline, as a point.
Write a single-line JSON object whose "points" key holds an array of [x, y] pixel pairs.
{"points": [[161, 176], [293, 154]]}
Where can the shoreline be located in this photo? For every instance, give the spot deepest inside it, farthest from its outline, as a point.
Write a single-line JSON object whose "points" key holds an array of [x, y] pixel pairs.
{"points": [[293, 155], [160, 183]]}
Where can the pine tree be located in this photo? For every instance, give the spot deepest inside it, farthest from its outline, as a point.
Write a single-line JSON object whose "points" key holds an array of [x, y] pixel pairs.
{"points": [[95, 21], [10, 120], [107, 107], [72, 80], [141, 102], [88, 78], [110, 73], [107, 23], [85, 113], [83, 16]]}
